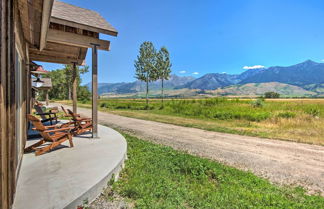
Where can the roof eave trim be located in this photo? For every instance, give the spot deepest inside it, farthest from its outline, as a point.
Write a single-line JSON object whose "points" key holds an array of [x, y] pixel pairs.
{"points": [[82, 26]]}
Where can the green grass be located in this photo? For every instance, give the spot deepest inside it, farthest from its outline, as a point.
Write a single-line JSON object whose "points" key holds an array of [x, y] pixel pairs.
{"points": [[157, 176], [300, 120], [218, 108]]}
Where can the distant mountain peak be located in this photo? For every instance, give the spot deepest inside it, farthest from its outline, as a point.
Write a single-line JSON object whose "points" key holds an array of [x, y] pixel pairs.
{"points": [[308, 62]]}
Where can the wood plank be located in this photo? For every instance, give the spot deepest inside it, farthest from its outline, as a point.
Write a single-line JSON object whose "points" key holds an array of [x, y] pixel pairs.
{"points": [[46, 14], [4, 203], [62, 54], [59, 60], [73, 39], [81, 26]]}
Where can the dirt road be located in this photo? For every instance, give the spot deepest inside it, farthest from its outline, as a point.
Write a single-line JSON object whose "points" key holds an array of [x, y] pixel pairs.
{"points": [[280, 161]]}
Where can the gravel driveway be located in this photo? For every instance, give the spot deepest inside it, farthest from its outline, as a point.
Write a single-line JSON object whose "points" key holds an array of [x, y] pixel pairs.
{"points": [[279, 161]]}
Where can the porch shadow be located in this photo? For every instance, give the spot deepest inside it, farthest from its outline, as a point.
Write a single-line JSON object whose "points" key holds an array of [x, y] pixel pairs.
{"points": [[65, 178]]}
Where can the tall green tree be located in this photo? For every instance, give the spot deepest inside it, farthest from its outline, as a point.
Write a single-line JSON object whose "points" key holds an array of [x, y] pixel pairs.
{"points": [[145, 65], [68, 71], [62, 83], [163, 67]]}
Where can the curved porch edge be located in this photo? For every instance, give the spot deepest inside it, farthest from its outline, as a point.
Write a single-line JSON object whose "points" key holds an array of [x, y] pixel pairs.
{"points": [[68, 177]]}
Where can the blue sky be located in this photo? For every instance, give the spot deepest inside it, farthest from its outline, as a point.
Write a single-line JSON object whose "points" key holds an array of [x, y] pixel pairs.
{"points": [[208, 36]]}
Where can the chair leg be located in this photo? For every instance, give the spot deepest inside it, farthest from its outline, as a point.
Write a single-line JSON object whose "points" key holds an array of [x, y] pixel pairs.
{"points": [[51, 146], [70, 140], [32, 147]]}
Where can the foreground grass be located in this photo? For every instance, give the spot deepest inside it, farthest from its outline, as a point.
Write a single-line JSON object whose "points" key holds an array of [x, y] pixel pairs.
{"points": [[300, 120], [157, 176]]}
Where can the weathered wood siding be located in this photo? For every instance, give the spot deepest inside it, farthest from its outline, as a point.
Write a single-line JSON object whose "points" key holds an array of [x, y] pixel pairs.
{"points": [[11, 40]]}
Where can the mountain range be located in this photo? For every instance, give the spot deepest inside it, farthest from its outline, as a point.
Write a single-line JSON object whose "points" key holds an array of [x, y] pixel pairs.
{"points": [[308, 76], [139, 86]]}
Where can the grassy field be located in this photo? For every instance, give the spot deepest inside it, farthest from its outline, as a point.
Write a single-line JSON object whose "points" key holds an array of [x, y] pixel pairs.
{"points": [[157, 176], [300, 120]]}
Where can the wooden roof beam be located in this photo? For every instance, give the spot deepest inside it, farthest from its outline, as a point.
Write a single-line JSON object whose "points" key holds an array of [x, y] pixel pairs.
{"points": [[52, 59], [46, 15], [73, 39]]}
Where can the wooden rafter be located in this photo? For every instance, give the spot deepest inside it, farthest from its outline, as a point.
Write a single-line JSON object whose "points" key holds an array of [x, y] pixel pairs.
{"points": [[74, 39], [58, 53]]}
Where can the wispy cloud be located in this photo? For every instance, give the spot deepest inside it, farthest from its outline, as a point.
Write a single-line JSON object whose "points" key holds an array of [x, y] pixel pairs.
{"points": [[322, 60], [253, 67], [182, 71], [224, 72], [195, 73]]}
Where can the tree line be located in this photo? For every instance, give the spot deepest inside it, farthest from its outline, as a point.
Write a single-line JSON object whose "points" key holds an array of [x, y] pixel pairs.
{"points": [[62, 83], [152, 65]]}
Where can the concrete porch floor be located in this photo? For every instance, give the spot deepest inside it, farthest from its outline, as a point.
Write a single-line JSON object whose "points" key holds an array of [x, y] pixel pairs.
{"points": [[66, 177]]}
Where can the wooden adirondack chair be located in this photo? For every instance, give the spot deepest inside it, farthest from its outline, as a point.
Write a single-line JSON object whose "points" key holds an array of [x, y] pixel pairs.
{"points": [[58, 136], [66, 114], [46, 116], [81, 125]]}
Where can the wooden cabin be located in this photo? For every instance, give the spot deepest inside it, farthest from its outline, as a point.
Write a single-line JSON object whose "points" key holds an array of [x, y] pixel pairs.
{"points": [[38, 30]]}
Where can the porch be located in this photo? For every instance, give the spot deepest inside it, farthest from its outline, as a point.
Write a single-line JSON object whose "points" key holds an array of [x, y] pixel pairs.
{"points": [[66, 177]]}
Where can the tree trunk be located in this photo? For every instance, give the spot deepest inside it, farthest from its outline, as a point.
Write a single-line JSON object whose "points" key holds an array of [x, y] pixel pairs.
{"points": [[162, 92], [69, 93], [147, 89]]}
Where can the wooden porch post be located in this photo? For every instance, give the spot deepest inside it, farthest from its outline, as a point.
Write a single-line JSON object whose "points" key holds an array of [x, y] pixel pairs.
{"points": [[74, 88], [94, 90], [47, 102]]}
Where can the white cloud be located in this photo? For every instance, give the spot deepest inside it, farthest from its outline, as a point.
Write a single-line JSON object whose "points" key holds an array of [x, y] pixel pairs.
{"points": [[253, 67], [322, 60], [224, 72], [195, 73], [182, 71]]}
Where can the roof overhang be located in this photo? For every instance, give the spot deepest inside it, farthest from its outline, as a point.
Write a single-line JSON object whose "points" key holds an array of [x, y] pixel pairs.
{"points": [[82, 26], [64, 41], [35, 16], [59, 53]]}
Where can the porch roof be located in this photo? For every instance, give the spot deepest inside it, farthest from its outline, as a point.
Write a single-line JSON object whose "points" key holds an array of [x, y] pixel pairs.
{"points": [[83, 18], [69, 32]]}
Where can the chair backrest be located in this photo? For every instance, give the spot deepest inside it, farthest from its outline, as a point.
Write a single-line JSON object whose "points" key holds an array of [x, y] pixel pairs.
{"points": [[39, 103], [74, 116], [64, 111], [39, 126], [39, 110]]}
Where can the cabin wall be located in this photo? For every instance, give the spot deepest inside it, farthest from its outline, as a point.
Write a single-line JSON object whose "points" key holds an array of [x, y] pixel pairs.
{"points": [[23, 90], [11, 147]]}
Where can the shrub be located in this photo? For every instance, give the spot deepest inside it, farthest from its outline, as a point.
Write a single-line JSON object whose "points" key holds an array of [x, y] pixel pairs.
{"points": [[271, 94], [313, 112], [257, 103], [104, 105], [287, 115]]}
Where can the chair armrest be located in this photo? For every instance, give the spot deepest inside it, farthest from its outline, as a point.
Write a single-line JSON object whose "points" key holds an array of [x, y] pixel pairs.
{"points": [[84, 119], [53, 126], [44, 113], [56, 130]]}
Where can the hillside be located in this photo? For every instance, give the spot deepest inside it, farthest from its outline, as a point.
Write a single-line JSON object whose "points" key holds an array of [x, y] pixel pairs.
{"points": [[211, 81], [257, 89], [304, 73]]}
